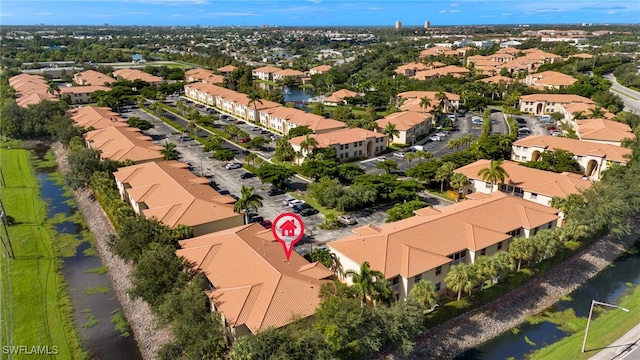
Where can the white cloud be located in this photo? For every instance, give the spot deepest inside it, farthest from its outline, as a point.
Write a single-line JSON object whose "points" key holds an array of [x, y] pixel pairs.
{"points": [[314, 1], [442, 11], [454, 11], [454, 4], [374, 8], [7, 14], [548, 10], [488, 16], [506, 14], [44, 14], [177, 15], [136, 13], [612, 12]]}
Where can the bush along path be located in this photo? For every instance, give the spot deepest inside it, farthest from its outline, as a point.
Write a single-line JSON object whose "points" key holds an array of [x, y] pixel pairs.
{"points": [[467, 331], [149, 336]]}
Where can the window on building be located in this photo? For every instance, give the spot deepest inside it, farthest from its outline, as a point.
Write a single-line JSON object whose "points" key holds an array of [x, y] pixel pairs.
{"points": [[534, 196], [355, 153], [438, 285], [515, 232], [417, 278], [439, 270], [359, 152], [341, 147], [488, 185], [483, 252], [500, 245], [346, 146]]}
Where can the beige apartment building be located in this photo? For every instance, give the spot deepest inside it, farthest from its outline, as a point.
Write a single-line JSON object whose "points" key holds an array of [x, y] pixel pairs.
{"points": [[424, 247], [549, 80], [92, 77], [349, 144], [123, 143], [410, 125], [540, 104], [264, 72], [603, 131], [134, 74], [81, 94], [94, 117]]}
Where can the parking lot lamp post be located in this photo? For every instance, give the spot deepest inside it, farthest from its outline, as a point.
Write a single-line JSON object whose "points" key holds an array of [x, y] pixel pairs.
{"points": [[586, 331]]}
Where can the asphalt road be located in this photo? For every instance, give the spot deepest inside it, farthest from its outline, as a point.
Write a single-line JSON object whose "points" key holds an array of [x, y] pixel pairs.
{"points": [[626, 347], [630, 97]]}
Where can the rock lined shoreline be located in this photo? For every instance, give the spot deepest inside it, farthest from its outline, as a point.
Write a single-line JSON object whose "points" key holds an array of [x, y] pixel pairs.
{"points": [[138, 313], [475, 327]]}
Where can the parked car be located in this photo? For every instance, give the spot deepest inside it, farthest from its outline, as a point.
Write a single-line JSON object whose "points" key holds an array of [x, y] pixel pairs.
{"points": [[247, 175], [299, 207], [239, 122], [381, 158], [255, 128], [347, 219], [185, 138], [520, 120], [264, 132], [274, 137], [295, 202], [232, 166], [211, 111], [255, 219], [266, 224], [452, 117], [545, 119], [441, 133], [399, 154], [224, 117], [275, 191], [244, 140], [287, 199], [308, 212], [476, 120], [434, 138], [524, 130]]}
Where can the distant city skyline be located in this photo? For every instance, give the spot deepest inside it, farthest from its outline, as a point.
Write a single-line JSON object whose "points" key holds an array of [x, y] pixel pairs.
{"points": [[315, 12]]}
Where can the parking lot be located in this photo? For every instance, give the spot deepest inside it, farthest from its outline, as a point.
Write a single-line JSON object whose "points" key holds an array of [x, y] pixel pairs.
{"points": [[230, 180]]}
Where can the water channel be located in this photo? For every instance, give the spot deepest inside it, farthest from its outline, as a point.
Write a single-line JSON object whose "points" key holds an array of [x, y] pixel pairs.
{"points": [[608, 286], [93, 310]]}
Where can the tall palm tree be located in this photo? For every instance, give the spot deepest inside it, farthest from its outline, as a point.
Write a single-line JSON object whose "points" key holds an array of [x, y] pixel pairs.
{"points": [[250, 158], [487, 268], [456, 278], [391, 132], [495, 173], [368, 283], [169, 152], [596, 113], [254, 99], [424, 294], [444, 173], [309, 143], [427, 155], [578, 115], [157, 108], [425, 103], [522, 248], [458, 181], [410, 156], [248, 200], [443, 100], [53, 89]]}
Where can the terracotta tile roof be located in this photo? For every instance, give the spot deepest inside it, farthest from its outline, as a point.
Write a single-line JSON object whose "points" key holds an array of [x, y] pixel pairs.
{"points": [[33, 99], [88, 89], [337, 137], [30, 89], [298, 117], [213, 90], [174, 195], [585, 108], [496, 79], [338, 96], [429, 94], [582, 56], [412, 66], [550, 78], [271, 292], [289, 72], [96, 117], [556, 98], [92, 77], [123, 143], [420, 243], [576, 147], [228, 68], [442, 71], [267, 69], [534, 180], [321, 68], [603, 129], [404, 120], [134, 74]]}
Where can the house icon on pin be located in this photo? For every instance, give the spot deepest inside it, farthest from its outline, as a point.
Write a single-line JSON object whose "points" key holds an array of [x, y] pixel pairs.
{"points": [[288, 228]]}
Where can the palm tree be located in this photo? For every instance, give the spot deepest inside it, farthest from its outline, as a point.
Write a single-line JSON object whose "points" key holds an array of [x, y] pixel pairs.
{"points": [[169, 152], [444, 173], [368, 283], [504, 263], [248, 200], [250, 158], [424, 294], [458, 181], [53, 89], [522, 248], [457, 278], [421, 154], [578, 115], [309, 143], [391, 132], [425, 103], [387, 166], [494, 173], [410, 156], [443, 100], [157, 108], [596, 113], [254, 99], [487, 268]]}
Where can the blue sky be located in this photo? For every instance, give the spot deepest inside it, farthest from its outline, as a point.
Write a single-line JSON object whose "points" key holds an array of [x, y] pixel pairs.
{"points": [[315, 12]]}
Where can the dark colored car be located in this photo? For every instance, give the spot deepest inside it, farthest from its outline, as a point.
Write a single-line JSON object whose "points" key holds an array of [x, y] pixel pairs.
{"points": [[275, 191], [266, 224], [299, 207], [308, 211], [256, 219], [239, 122], [247, 175], [245, 140]]}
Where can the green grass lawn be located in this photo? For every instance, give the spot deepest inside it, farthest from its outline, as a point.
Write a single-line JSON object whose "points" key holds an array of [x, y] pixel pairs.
{"points": [[314, 203], [34, 302], [604, 330]]}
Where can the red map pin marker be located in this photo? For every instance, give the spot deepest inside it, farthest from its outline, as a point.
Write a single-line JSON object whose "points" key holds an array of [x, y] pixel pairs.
{"points": [[288, 229]]}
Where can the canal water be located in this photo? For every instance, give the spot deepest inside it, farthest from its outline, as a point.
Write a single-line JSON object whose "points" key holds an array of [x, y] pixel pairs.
{"points": [[93, 312], [297, 94], [608, 286]]}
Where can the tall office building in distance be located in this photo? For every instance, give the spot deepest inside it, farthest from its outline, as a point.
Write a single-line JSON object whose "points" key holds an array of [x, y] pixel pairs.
{"points": [[427, 24], [398, 24]]}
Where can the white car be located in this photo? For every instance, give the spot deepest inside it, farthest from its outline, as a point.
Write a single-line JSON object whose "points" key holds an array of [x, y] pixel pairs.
{"points": [[347, 219], [399, 154], [441, 133], [476, 120], [434, 138], [295, 202], [232, 166], [381, 158]]}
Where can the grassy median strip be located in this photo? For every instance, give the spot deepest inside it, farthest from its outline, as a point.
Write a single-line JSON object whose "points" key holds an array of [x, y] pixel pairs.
{"points": [[609, 325], [35, 305]]}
